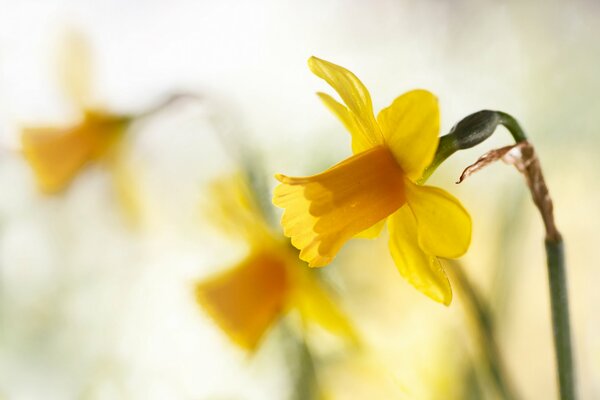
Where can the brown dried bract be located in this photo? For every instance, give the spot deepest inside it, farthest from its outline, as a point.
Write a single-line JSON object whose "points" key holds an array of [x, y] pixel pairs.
{"points": [[522, 155], [485, 160]]}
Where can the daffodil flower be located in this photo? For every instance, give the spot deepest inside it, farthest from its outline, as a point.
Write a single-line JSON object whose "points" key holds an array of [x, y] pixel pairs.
{"points": [[58, 154], [378, 184], [249, 298]]}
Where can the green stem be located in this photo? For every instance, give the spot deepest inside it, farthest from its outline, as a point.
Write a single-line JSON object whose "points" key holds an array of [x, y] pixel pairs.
{"points": [[306, 385], [560, 317], [301, 362], [512, 125], [446, 147], [473, 130]]}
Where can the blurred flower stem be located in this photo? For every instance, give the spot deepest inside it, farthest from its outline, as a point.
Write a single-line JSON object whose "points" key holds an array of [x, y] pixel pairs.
{"points": [[473, 130], [168, 102], [302, 368], [483, 325], [306, 384]]}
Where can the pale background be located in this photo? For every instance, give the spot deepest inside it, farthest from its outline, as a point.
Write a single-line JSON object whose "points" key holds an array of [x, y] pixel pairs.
{"points": [[90, 308]]}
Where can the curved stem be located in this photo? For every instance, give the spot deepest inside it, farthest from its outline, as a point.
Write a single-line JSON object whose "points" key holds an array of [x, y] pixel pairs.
{"points": [[168, 102], [471, 131], [446, 147], [512, 125]]}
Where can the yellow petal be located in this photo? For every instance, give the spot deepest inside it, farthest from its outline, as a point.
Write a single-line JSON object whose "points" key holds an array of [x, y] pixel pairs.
{"points": [[232, 207], [317, 306], [410, 126], [248, 299], [75, 68], [356, 97], [127, 190], [324, 211], [372, 232], [360, 141], [57, 155], [444, 225], [420, 269]]}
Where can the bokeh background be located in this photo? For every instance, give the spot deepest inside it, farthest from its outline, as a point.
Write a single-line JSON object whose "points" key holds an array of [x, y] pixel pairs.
{"points": [[92, 307]]}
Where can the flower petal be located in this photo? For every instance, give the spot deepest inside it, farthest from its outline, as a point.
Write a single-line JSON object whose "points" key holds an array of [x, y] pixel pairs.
{"points": [[356, 97], [248, 299], [444, 225], [75, 65], [127, 188], [316, 305], [420, 269], [372, 232], [360, 141], [232, 207], [324, 211], [410, 126], [56, 156]]}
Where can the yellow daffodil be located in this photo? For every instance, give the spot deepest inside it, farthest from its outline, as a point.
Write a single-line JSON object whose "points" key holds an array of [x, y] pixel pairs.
{"points": [[57, 154], [249, 298], [377, 184]]}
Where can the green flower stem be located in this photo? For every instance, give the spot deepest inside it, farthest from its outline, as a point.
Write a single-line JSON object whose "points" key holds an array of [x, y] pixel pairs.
{"points": [[301, 363], [446, 147], [512, 125], [560, 317], [166, 103], [306, 385], [473, 130]]}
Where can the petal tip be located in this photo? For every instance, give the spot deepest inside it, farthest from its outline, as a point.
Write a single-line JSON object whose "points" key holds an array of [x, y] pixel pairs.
{"points": [[442, 295], [312, 60], [318, 263], [447, 300], [315, 64], [280, 177]]}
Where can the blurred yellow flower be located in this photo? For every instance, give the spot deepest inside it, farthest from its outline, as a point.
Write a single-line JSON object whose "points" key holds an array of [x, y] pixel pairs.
{"points": [[356, 196], [57, 154], [249, 298]]}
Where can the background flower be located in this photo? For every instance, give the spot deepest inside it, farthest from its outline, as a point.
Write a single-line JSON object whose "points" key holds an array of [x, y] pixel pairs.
{"points": [[251, 297]]}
